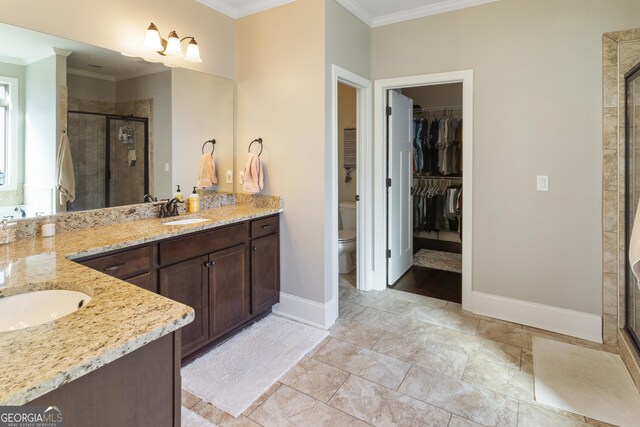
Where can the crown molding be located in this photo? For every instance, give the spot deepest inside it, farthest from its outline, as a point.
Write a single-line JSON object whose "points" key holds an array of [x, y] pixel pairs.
{"points": [[356, 8], [257, 6], [254, 6], [353, 6], [421, 12], [221, 6]]}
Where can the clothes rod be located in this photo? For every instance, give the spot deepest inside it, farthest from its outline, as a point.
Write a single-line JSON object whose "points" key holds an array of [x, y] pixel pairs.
{"points": [[426, 177], [453, 107]]}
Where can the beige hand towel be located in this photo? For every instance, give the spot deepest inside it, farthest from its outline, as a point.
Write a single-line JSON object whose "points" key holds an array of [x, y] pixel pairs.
{"points": [[634, 247], [253, 180], [208, 176], [66, 179]]}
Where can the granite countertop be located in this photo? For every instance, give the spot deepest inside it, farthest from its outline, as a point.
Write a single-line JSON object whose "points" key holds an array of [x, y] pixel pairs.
{"points": [[120, 317]]}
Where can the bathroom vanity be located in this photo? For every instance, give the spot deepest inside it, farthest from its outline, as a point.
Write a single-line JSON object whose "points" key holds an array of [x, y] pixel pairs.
{"points": [[116, 360], [228, 275]]}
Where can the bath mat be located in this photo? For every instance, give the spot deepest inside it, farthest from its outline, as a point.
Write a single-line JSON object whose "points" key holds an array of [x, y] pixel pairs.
{"points": [[438, 260], [233, 375], [589, 382], [191, 419]]}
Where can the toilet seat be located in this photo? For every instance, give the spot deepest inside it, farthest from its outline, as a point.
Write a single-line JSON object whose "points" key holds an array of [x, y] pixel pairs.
{"points": [[346, 236]]}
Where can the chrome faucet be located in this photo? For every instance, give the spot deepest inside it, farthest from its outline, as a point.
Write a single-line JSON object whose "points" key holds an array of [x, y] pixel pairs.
{"points": [[23, 214]]}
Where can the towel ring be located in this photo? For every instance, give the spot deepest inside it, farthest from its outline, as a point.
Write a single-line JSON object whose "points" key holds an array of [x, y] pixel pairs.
{"points": [[259, 141], [213, 145]]}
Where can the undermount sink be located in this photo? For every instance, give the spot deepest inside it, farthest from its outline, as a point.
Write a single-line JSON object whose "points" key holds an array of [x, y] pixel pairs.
{"points": [[186, 221], [35, 308]]}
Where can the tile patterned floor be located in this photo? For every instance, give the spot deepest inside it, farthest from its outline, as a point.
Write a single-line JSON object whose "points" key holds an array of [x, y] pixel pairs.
{"points": [[399, 359]]}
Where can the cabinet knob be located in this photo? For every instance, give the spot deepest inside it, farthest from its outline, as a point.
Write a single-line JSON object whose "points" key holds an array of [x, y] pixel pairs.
{"points": [[255, 248], [209, 264], [114, 267]]}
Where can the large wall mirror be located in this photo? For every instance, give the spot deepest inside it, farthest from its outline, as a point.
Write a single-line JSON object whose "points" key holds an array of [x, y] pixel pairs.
{"points": [[133, 127]]}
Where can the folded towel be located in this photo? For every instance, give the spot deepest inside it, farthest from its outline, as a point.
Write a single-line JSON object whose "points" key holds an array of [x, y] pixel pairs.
{"points": [[208, 175], [66, 178], [131, 157], [253, 181], [634, 247]]}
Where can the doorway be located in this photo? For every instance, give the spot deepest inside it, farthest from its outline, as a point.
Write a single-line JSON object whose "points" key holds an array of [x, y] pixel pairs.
{"points": [[347, 185], [425, 169], [364, 191], [380, 164]]}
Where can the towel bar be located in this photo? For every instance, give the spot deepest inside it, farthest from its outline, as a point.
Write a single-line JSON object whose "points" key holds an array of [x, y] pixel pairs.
{"points": [[213, 145], [259, 141]]}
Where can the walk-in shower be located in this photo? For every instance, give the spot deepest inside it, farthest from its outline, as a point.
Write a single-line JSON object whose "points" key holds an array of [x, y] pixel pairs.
{"points": [[632, 130], [110, 159]]}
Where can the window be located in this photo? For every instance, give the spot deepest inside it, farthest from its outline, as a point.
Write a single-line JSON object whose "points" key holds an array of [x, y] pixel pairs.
{"points": [[8, 131]]}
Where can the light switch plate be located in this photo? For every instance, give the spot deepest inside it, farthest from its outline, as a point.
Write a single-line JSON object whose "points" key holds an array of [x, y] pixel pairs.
{"points": [[229, 177], [166, 167], [542, 183], [241, 177]]}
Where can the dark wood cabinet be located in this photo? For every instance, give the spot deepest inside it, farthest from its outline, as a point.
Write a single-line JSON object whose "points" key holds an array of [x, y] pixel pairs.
{"points": [[265, 274], [144, 281], [229, 290], [187, 282], [142, 388], [228, 275]]}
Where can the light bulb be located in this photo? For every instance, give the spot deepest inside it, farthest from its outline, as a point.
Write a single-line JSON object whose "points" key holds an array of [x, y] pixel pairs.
{"points": [[173, 45], [152, 39], [193, 52]]}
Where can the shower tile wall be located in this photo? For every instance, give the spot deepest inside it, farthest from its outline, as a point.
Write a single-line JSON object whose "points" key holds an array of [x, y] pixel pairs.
{"points": [[138, 108], [87, 140], [621, 51]]}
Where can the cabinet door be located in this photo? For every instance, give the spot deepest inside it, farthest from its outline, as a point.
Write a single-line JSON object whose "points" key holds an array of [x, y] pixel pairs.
{"points": [[186, 282], [229, 289], [265, 273]]}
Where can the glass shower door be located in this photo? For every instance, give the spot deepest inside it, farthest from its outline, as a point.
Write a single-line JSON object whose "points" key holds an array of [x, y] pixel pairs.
{"points": [[632, 80]]}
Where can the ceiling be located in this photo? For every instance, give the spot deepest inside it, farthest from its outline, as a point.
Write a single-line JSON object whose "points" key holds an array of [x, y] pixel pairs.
{"points": [[374, 13]]}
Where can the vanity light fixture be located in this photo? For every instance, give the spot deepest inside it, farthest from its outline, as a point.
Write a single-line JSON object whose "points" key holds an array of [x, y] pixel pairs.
{"points": [[171, 46]]}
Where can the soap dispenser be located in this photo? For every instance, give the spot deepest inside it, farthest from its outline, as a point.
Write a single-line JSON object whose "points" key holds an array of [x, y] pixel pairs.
{"points": [[194, 202], [178, 194]]}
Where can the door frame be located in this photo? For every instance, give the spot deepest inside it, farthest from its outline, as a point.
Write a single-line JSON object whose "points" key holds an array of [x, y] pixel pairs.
{"points": [[379, 171], [364, 187]]}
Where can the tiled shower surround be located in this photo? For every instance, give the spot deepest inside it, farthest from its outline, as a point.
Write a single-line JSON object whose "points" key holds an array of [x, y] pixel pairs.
{"points": [[621, 52], [87, 139]]}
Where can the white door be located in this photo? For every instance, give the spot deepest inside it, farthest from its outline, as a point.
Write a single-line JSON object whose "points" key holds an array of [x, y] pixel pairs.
{"points": [[400, 203]]}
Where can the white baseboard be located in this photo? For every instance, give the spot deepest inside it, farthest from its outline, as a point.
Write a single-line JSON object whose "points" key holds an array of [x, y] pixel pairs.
{"points": [[569, 322], [306, 311]]}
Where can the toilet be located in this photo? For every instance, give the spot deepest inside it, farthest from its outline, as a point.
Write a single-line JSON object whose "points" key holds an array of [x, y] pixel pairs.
{"points": [[347, 237]]}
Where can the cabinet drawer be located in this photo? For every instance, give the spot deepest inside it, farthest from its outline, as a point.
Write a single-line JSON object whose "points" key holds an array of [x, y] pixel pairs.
{"points": [[264, 226], [202, 243], [123, 264]]}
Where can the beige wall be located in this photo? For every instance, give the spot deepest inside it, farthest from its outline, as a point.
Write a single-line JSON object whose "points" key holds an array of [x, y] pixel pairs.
{"points": [[83, 87], [280, 98], [346, 119], [121, 25], [537, 110]]}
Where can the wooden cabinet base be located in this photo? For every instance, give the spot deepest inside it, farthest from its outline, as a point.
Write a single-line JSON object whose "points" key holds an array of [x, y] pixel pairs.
{"points": [[141, 388]]}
